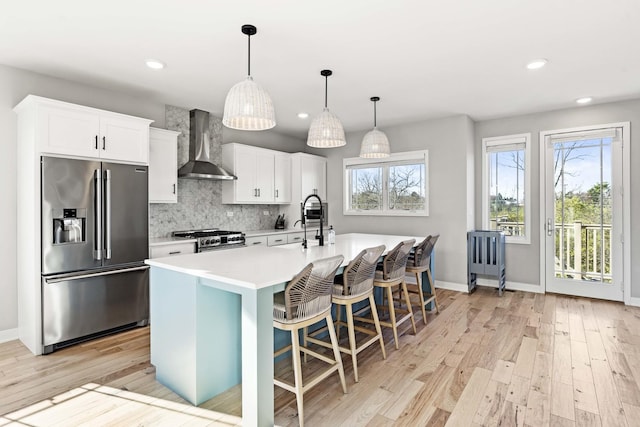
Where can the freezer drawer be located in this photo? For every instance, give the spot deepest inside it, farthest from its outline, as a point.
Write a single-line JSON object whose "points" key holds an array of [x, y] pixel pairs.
{"points": [[76, 307]]}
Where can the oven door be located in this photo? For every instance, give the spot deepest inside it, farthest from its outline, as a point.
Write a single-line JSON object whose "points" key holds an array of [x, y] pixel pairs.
{"points": [[312, 213]]}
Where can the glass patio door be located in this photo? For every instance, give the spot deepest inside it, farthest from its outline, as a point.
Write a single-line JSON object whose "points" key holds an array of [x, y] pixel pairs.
{"points": [[583, 221]]}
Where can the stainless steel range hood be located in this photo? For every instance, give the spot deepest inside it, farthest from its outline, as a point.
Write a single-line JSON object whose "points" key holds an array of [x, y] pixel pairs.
{"points": [[199, 165]]}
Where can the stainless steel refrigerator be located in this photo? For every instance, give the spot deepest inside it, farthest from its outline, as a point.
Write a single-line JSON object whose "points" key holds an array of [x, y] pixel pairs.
{"points": [[94, 243]]}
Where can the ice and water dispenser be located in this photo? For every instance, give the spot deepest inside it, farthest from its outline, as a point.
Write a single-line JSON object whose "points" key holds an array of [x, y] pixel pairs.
{"points": [[69, 225]]}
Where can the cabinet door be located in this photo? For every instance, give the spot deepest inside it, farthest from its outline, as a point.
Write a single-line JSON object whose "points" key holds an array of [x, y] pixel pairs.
{"points": [[264, 176], [246, 189], [314, 177], [68, 131], [124, 139], [282, 178], [163, 166], [172, 250]]}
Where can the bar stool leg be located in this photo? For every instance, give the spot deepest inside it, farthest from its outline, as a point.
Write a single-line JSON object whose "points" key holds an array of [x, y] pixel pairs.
{"points": [[336, 351], [421, 296], [352, 340], [338, 316], [408, 301], [392, 316], [297, 373], [376, 322], [433, 291]]}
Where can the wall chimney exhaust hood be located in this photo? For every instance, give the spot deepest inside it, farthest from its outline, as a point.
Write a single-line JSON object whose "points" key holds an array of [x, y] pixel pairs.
{"points": [[199, 165]]}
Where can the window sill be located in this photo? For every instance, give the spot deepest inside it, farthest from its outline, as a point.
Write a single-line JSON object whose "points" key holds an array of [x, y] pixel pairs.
{"points": [[387, 213]]}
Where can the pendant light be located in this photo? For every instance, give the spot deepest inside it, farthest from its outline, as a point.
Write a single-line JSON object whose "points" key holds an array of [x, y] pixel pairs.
{"points": [[375, 144], [248, 106], [326, 131]]}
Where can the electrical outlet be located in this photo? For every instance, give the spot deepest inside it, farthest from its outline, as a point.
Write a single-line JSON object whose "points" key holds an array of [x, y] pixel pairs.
{"points": [[229, 214], [265, 213]]}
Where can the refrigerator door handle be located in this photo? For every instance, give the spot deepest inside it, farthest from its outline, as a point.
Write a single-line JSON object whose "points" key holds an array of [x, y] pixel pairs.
{"points": [[97, 187], [67, 277], [107, 213]]}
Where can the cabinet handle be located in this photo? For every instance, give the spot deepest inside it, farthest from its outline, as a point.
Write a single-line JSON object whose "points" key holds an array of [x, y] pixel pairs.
{"points": [[277, 193], [96, 142], [297, 238], [258, 192], [174, 189], [175, 252], [256, 243], [104, 142], [278, 240]]}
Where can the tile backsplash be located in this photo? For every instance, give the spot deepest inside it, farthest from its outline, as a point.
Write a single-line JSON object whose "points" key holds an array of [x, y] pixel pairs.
{"points": [[200, 201]]}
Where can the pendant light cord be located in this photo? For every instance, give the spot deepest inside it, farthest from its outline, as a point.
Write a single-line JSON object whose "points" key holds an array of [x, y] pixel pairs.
{"points": [[249, 55], [326, 83], [375, 115]]}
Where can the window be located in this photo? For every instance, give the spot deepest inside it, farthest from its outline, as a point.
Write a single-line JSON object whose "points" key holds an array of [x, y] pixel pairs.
{"points": [[505, 186], [394, 186]]}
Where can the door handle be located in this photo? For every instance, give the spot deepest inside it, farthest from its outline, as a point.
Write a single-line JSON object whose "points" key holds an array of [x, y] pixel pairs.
{"points": [[107, 213], [549, 227], [97, 189]]}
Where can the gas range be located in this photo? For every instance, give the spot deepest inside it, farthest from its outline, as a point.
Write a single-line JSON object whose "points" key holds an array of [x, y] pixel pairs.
{"points": [[213, 238]]}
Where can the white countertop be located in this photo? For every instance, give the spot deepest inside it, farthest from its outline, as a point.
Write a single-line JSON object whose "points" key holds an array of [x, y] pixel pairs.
{"points": [[257, 267]]}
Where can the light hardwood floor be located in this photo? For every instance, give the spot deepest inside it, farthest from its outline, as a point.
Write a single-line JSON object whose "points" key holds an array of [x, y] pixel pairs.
{"points": [[522, 359]]}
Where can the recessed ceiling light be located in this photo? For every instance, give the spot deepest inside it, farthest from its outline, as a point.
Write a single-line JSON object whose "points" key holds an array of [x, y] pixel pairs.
{"points": [[303, 115], [537, 64], [154, 64], [585, 100]]}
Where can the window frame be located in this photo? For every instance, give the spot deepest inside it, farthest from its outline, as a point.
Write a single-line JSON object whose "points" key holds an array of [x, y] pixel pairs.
{"points": [[505, 141], [420, 156]]}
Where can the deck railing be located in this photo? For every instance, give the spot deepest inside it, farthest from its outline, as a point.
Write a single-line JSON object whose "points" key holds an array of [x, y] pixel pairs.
{"points": [[582, 251]]}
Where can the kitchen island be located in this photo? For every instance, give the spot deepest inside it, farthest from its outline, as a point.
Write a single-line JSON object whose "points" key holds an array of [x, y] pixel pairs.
{"points": [[212, 317]]}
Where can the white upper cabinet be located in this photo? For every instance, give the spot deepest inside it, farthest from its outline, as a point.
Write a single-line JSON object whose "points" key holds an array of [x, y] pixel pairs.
{"points": [[260, 175], [282, 178], [163, 166], [311, 171], [78, 131]]}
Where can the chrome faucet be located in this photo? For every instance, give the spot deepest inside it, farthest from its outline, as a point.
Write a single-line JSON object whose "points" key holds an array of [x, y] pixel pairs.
{"points": [[303, 217]]}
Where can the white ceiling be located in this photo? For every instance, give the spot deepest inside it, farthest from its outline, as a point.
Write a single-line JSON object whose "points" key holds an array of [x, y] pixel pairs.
{"points": [[424, 58]]}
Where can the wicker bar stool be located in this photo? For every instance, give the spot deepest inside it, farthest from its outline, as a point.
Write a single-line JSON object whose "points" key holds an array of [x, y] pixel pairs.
{"points": [[420, 262], [356, 286], [392, 276], [305, 301]]}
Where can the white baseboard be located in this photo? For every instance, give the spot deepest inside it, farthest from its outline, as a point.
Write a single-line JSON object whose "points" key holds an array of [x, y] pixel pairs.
{"points": [[451, 286], [512, 286], [9, 335], [634, 301]]}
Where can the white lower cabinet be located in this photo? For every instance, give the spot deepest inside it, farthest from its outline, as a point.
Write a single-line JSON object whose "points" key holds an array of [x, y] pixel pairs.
{"points": [[171, 249], [277, 239], [257, 240], [295, 237]]}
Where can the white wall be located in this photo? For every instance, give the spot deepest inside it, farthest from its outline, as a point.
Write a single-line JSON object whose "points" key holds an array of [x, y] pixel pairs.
{"points": [[450, 143], [523, 261]]}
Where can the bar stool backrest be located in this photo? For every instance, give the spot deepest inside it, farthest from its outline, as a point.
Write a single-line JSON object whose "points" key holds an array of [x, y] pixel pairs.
{"points": [[357, 277], [422, 253], [395, 262], [309, 292]]}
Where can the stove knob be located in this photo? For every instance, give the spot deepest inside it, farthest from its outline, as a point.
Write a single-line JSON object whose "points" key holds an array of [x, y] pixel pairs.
{"points": [[205, 242]]}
